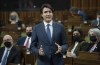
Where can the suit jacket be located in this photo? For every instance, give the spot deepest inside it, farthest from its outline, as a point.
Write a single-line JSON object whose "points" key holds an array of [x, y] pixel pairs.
{"points": [[88, 46], [14, 55], [77, 48], [21, 41], [39, 37]]}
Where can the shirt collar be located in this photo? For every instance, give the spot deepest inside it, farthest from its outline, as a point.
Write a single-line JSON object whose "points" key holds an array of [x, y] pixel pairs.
{"points": [[98, 19], [45, 23], [28, 37], [8, 48]]}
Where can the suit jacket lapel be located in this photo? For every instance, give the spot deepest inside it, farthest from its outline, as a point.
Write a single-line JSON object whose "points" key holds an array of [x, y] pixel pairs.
{"points": [[11, 52], [44, 33], [1, 53], [54, 30]]}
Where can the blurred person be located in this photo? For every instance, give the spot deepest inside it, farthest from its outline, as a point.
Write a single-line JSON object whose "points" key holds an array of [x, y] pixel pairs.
{"points": [[9, 53], [26, 41], [96, 23], [77, 41], [94, 45], [14, 19], [48, 39], [80, 12]]}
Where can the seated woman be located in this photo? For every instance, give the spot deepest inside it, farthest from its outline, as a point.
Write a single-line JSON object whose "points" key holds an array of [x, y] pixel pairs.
{"points": [[77, 42], [94, 45], [14, 19]]}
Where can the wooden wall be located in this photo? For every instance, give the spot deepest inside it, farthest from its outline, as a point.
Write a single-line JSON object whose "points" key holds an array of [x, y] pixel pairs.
{"points": [[90, 6], [86, 4], [28, 16]]}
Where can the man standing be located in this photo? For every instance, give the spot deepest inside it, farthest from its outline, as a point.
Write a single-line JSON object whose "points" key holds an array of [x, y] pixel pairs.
{"points": [[48, 39]]}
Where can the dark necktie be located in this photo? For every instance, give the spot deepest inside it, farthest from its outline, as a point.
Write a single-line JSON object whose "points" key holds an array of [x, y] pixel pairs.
{"points": [[27, 43], [5, 58], [49, 32]]}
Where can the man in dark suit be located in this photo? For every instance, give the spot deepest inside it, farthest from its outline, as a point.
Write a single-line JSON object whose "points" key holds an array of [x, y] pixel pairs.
{"points": [[96, 23], [26, 41], [9, 53], [48, 39]]}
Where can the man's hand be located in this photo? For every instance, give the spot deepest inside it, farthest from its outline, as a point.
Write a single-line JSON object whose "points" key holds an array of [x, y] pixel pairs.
{"points": [[59, 48], [41, 52]]}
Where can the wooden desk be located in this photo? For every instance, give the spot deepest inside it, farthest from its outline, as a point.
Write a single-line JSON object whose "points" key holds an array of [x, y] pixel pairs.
{"points": [[22, 50], [68, 61], [27, 57], [86, 58], [30, 59]]}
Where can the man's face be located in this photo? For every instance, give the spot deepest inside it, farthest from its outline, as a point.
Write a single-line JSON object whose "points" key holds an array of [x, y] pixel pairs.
{"points": [[47, 14], [98, 16], [8, 38], [29, 29]]}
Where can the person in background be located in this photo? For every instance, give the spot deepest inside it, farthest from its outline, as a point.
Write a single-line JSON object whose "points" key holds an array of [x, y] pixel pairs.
{"points": [[82, 13], [77, 41], [48, 39], [26, 41], [9, 53], [94, 45], [96, 23], [14, 19]]}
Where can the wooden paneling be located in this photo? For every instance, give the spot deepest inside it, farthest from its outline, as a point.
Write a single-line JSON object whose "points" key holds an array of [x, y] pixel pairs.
{"points": [[98, 2], [93, 4], [90, 6], [86, 58], [85, 4], [28, 17]]}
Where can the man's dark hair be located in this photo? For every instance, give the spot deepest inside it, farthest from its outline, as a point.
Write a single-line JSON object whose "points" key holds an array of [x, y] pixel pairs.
{"points": [[79, 30], [46, 6], [98, 13], [73, 9]]}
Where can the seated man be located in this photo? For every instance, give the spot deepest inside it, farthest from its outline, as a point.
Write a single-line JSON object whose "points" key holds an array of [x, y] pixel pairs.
{"points": [[82, 13], [9, 53], [96, 23], [26, 41]]}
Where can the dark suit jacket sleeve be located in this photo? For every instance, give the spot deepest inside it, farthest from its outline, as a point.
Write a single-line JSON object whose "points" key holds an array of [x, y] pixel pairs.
{"points": [[64, 40], [98, 47], [17, 58], [14, 56], [34, 42], [21, 41]]}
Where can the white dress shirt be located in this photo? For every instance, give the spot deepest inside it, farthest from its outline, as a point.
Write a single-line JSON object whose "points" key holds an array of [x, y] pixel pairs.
{"points": [[98, 21], [93, 48], [72, 51], [29, 43], [51, 27], [5, 53]]}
